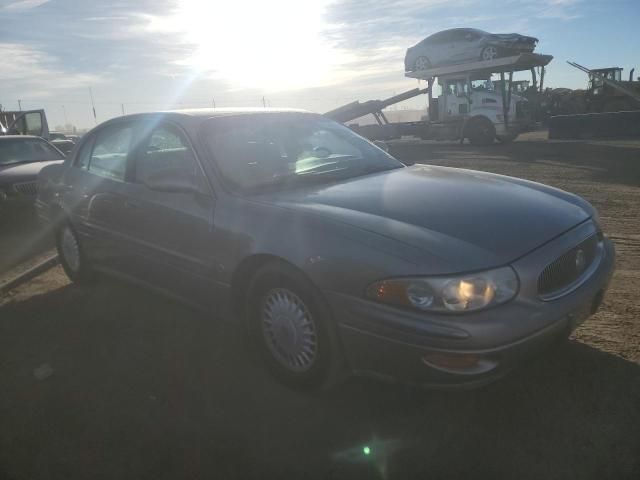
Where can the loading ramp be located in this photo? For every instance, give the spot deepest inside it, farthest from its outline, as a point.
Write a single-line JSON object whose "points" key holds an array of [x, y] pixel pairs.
{"points": [[517, 63]]}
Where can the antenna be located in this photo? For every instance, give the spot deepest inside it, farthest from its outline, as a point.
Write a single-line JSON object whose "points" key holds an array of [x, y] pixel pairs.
{"points": [[93, 106]]}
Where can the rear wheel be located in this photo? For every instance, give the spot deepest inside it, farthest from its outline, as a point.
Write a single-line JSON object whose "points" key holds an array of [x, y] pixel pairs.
{"points": [[422, 63], [292, 328], [71, 255], [480, 131]]}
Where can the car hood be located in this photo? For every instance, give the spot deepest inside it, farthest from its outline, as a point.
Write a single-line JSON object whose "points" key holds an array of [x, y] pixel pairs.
{"points": [[23, 172], [513, 37], [471, 219]]}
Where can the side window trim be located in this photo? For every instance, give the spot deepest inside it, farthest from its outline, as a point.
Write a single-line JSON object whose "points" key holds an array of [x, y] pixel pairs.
{"points": [[144, 140], [89, 141], [133, 147]]}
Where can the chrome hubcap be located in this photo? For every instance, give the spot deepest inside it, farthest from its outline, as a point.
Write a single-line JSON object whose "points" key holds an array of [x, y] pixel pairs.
{"points": [[70, 249], [289, 330], [489, 53]]}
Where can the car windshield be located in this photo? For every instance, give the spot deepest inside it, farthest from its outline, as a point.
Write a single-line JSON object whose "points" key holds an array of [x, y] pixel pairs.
{"points": [[285, 150], [482, 85], [26, 150]]}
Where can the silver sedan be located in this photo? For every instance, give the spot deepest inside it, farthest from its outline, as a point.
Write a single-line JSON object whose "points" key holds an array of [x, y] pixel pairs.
{"points": [[460, 45], [334, 256]]}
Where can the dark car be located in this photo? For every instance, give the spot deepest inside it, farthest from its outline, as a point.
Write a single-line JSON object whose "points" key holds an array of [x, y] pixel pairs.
{"points": [[62, 142], [21, 159], [460, 45], [334, 255]]}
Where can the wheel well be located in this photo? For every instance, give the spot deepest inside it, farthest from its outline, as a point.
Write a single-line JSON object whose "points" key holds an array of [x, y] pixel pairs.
{"points": [[242, 276]]}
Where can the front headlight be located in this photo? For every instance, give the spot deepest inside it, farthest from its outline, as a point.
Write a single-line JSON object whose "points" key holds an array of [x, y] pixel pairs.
{"points": [[450, 294]]}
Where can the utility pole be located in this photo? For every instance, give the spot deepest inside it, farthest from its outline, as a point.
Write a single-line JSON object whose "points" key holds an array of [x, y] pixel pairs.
{"points": [[64, 110], [264, 103], [122, 106], [93, 106], [19, 104], [213, 102]]}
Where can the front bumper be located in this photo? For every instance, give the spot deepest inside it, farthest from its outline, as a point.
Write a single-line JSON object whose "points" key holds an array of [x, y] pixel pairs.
{"points": [[394, 344]]}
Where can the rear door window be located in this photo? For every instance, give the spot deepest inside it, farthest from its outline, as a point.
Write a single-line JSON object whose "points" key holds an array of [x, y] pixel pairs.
{"points": [[110, 152], [437, 38]]}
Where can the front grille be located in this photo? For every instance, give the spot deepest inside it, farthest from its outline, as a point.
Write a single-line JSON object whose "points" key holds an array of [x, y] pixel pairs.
{"points": [[26, 188], [568, 268]]}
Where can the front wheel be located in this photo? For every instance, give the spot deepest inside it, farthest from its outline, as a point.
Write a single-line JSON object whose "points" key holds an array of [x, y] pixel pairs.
{"points": [[489, 53], [71, 255], [291, 327], [480, 131]]}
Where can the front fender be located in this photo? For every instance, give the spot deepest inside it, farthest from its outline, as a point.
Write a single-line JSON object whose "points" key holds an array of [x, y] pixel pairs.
{"points": [[333, 255]]}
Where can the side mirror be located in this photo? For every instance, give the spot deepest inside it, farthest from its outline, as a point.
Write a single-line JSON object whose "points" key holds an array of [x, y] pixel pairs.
{"points": [[169, 181], [381, 145]]}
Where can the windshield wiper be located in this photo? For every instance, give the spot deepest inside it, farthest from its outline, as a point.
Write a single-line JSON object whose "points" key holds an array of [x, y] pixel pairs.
{"points": [[297, 179]]}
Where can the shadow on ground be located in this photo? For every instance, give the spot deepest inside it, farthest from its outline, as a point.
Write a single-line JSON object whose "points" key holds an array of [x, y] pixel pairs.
{"points": [[145, 388], [21, 237]]}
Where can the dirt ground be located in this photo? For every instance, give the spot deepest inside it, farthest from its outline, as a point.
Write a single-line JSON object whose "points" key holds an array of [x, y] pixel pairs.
{"points": [[22, 240], [110, 381]]}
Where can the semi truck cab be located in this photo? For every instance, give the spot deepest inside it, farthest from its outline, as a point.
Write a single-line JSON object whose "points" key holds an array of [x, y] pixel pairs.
{"points": [[465, 97]]}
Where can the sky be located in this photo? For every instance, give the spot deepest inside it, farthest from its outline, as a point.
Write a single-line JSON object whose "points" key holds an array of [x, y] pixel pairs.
{"points": [[145, 55]]}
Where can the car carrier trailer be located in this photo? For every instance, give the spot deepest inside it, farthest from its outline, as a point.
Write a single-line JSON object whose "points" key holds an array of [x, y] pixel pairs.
{"points": [[468, 106]]}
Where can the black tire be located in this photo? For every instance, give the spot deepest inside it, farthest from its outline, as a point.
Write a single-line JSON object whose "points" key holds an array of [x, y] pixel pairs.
{"points": [[78, 270], [480, 131], [327, 367]]}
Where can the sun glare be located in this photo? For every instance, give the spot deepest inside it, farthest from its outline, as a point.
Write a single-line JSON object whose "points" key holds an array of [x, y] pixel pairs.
{"points": [[270, 45]]}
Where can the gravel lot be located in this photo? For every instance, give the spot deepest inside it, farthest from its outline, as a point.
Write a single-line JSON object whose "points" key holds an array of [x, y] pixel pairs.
{"points": [[111, 381]]}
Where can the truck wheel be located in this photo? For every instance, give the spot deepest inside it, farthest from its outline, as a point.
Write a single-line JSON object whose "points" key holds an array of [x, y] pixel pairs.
{"points": [[480, 131]]}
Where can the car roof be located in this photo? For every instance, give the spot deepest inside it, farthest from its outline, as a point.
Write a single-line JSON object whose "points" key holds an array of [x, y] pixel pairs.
{"points": [[221, 112], [196, 116], [24, 137], [457, 30]]}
